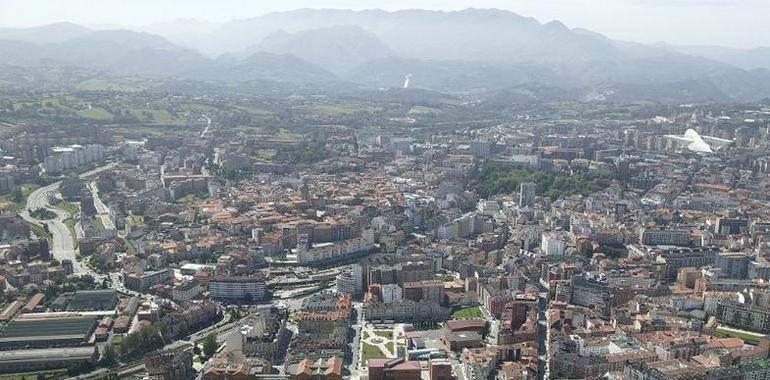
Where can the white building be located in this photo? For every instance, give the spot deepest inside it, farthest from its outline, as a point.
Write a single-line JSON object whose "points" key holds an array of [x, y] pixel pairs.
{"points": [[71, 157], [527, 191], [489, 208], [325, 252], [351, 280], [553, 244], [237, 288], [186, 291], [391, 293]]}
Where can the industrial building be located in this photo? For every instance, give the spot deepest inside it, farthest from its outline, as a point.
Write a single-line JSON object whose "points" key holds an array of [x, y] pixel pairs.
{"points": [[47, 332]]}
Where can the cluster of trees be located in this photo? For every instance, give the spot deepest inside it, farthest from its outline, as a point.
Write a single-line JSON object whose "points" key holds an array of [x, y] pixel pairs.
{"points": [[225, 173], [496, 179], [79, 369], [42, 214], [97, 262], [144, 340], [210, 345]]}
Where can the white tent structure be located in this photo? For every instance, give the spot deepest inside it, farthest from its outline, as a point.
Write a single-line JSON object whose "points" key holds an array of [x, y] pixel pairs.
{"points": [[699, 144]]}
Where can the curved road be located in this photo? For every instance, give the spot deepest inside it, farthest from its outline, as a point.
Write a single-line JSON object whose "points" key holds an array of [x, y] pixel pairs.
{"points": [[63, 246]]}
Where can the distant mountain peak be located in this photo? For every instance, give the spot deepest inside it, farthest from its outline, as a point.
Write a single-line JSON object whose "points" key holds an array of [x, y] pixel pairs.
{"points": [[49, 33], [556, 25], [337, 48]]}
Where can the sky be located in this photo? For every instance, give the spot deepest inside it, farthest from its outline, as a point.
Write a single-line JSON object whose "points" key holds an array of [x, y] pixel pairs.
{"points": [[734, 23]]}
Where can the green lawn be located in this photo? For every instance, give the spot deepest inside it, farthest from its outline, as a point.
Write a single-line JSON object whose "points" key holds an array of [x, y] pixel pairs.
{"points": [[371, 352], [134, 219], [331, 109], [129, 247], [28, 188], [255, 110], [68, 207], [747, 336], [160, 116], [97, 223], [96, 113], [424, 110], [39, 231], [468, 313], [384, 334], [266, 154]]}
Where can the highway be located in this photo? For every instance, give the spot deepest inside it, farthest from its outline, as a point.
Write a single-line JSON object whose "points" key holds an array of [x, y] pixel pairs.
{"points": [[63, 242]]}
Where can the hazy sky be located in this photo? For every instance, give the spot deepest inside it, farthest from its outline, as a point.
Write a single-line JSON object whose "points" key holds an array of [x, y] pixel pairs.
{"points": [[738, 23]]}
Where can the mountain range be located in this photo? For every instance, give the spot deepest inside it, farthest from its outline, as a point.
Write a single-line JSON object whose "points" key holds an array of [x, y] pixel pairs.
{"points": [[477, 51]]}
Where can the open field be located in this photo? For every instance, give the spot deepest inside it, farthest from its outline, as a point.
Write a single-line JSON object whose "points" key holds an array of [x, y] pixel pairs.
{"points": [[371, 352], [468, 313]]}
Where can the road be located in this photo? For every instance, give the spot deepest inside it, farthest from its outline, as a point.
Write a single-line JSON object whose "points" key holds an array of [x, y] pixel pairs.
{"points": [[63, 246], [356, 368], [103, 212], [63, 241], [208, 126]]}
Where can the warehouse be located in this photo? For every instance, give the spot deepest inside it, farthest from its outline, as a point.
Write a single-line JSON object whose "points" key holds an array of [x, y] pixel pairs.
{"points": [[85, 300], [44, 359], [43, 333]]}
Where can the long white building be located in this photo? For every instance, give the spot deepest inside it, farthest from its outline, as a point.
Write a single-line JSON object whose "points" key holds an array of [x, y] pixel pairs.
{"points": [[65, 158], [237, 288]]}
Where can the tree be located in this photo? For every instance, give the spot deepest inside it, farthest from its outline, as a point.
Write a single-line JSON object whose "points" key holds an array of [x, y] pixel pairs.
{"points": [[18, 196], [210, 345], [108, 356]]}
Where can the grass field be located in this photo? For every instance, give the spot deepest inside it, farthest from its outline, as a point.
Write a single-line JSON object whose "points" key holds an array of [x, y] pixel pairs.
{"points": [[468, 313], [417, 110], [747, 336], [28, 188], [39, 231], [68, 207], [371, 352], [134, 219], [160, 116], [116, 84], [384, 334], [156, 130], [255, 110], [266, 154], [340, 109], [129, 247], [97, 223], [96, 113]]}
